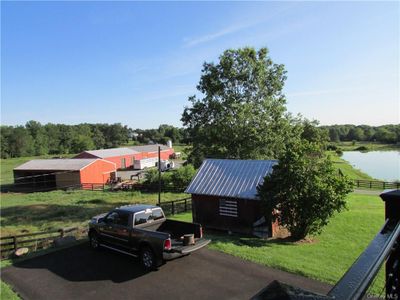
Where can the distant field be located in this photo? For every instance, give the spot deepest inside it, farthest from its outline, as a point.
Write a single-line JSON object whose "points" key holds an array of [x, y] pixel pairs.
{"points": [[21, 213], [372, 146]]}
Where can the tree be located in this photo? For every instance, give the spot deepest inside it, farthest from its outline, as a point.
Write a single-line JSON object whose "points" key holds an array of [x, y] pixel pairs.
{"points": [[39, 136], [5, 133], [334, 135], [242, 114], [305, 189], [98, 138], [182, 177], [356, 134], [20, 143], [81, 143]]}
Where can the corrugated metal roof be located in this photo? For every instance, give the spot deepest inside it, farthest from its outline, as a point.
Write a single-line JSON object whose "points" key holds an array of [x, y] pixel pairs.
{"points": [[149, 148], [104, 153], [230, 178], [56, 164]]}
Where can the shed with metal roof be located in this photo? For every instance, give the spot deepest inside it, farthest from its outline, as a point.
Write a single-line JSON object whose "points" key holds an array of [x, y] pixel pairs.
{"points": [[224, 195], [48, 174]]}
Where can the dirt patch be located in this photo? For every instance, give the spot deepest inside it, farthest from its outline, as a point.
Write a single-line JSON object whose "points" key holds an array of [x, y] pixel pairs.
{"points": [[307, 240], [283, 235]]}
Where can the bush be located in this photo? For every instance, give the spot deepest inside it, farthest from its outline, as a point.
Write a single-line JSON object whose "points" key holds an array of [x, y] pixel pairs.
{"points": [[183, 176], [362, 148], [177, 179], [331, 147]]}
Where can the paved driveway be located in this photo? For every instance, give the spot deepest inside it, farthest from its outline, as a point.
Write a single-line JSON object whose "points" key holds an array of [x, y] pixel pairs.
{"points": [[80, 273]]}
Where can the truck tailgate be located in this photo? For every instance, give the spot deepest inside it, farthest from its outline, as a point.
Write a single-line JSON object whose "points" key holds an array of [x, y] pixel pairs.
{"points": [[200, 243]]}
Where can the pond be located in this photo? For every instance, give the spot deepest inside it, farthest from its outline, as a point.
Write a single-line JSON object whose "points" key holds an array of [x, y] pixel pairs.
{"points": [[383, 165]]}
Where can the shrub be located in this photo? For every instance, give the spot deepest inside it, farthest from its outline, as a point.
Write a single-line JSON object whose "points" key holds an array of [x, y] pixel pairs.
{"points": [[362, 148], [305, 188], [331, 147]]}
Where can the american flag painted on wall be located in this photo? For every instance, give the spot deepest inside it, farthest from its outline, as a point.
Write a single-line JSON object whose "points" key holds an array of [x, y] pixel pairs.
{"points": [[228, 208]]}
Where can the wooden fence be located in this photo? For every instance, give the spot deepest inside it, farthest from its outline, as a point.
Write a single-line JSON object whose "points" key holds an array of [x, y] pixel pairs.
{"points": [[37, 240], [371, 184], [93, 186], [45, 239], [177, 206]]}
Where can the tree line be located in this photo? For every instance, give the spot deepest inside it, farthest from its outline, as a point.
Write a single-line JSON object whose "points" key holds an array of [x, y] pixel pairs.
{"points": [[389, 134], [34, 139], [54, 139]]}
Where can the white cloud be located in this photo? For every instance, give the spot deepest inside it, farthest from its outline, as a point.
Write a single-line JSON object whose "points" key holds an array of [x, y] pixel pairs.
{"points": [[233, 28]]}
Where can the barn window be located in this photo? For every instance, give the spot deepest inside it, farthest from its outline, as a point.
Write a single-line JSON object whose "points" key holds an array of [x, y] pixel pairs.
{"points": [[228, 208]]}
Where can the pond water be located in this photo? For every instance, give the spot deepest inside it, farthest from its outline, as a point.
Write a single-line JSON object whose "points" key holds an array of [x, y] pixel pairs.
{"points": [[383, 165]]}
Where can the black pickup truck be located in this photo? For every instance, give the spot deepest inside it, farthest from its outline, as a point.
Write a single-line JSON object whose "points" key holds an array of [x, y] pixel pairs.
{"points": [[143, 231]]}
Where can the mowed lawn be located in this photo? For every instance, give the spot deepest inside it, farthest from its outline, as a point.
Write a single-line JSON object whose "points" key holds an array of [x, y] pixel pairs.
{"points": [[326, 258], [22, 213]]}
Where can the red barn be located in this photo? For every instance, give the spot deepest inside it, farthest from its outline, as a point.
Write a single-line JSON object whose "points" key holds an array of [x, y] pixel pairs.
{"points": [[48, 174], [148, 151], [122, 157]]}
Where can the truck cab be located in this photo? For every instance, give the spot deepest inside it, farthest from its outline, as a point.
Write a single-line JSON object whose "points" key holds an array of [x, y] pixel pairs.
{"points": [[143, 231]]}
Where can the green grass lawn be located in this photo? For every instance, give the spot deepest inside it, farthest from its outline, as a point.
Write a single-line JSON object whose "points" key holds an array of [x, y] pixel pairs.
{"points": [[6, 293], [327, 257], [22, 213]]}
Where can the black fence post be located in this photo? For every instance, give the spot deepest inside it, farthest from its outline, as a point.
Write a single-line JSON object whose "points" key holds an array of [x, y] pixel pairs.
{"points": [[392, 213], [15, 243], [173, 207], [185, 205]]}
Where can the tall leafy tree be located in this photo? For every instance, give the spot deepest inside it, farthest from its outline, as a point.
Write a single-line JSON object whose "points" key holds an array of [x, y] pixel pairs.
{"points": [[39, 136], [304, 189], [242, 112], [20, 142]]}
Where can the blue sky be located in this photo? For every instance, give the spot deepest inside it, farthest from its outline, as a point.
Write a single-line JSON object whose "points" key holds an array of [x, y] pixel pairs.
{"points": [[137, 62]]}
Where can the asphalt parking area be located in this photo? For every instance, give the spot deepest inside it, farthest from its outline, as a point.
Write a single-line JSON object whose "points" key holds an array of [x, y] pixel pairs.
{"points": [[81, 273]]}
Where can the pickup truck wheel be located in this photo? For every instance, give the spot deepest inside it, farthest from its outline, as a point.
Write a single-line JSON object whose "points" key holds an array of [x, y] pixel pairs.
{"points": [[94, 241], [147, 258]]}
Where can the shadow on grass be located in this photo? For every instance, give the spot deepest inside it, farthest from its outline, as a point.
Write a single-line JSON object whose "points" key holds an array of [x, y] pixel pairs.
{"points": [[247, 240]]}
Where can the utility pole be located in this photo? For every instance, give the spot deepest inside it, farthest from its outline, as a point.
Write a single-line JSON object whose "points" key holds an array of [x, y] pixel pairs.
{"points": [[159, 175]]}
